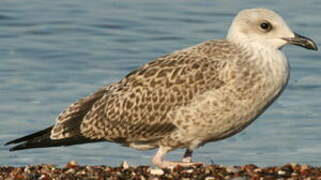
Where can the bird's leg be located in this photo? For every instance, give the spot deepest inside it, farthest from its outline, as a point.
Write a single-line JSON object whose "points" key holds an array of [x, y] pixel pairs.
{"points": [[161, 163], [187, 156]]}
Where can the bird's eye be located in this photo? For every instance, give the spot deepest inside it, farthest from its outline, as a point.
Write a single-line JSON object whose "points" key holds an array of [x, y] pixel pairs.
{"points": [[266, 26]]}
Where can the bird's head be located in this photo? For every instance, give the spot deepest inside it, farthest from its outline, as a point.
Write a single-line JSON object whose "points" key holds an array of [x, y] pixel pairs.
{"points": [[264, 27]]}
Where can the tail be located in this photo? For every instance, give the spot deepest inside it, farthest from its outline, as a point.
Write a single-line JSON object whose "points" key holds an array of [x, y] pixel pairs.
{"points": [[41, 139]]}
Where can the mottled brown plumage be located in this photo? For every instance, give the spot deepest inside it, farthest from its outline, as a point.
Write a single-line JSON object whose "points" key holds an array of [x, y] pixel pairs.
{"points": [[137, 109], [187, 98]]}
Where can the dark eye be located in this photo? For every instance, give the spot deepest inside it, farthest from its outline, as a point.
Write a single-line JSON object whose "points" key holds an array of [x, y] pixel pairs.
{"points": [[266, 26]]}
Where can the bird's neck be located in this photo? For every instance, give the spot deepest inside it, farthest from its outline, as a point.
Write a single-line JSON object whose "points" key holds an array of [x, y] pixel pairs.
{"points": [[273, 63]]}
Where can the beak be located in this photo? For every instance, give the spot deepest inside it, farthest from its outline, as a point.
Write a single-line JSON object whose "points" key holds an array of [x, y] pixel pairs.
{"points": [[302, 41]]}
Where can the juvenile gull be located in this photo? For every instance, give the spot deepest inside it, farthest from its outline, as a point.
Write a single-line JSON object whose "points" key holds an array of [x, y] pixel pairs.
{"points": [[185, 99]]}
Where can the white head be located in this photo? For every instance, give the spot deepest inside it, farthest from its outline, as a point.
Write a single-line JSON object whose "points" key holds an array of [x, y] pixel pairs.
{"points": [[264, 27]]}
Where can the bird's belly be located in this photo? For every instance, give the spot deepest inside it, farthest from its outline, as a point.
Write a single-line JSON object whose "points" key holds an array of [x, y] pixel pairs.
{"points": [[219, 114]]}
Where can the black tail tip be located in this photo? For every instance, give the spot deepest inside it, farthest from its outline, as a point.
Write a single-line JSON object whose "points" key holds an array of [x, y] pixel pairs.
{"points": [[12, 149], [8, 143], [17, 147]]}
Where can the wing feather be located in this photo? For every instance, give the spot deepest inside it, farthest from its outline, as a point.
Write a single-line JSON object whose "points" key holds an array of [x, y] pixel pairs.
{"points": [[140, 107], [68, 122]]}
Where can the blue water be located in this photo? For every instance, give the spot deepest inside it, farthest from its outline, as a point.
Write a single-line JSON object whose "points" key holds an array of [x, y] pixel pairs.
{"points": [[55, 52]]}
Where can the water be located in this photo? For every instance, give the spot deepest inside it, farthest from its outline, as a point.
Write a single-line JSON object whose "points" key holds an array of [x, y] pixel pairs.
{"points": [[54, 52]]}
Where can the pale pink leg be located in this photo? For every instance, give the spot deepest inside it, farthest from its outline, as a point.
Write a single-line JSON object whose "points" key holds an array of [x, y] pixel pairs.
{"points": [[161, 163]]}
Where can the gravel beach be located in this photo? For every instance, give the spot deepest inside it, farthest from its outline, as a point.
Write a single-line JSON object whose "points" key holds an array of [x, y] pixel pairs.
{"points": [[73, 170]]}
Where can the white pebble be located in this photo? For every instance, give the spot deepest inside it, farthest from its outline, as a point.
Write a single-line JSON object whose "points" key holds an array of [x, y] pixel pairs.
{"points": [[125, 165], [42, 177], [231, 169], [281, 172], [156, 171]]}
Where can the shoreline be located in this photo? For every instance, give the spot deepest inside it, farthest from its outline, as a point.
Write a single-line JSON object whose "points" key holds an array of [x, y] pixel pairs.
{"points": [[72, 170]]}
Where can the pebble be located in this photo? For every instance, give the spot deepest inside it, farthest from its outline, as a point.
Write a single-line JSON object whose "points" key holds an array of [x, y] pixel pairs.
{"points": [[189, 171], [281, 172], [304, 167], [238, 178], [232, 169], [70, 171], [210, 178], [156, 171], [210, 172], [72, 164], [125, 165]]}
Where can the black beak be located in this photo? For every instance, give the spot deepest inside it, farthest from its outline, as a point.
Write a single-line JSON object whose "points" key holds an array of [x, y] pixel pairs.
{"points": [[302, 41]]}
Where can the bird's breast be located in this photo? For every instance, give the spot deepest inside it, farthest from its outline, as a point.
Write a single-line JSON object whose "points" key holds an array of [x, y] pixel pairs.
{"points": [[223, 112]]}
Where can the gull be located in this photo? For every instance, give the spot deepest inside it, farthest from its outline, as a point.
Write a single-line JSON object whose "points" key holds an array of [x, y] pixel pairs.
{"points": [[187, 98]]}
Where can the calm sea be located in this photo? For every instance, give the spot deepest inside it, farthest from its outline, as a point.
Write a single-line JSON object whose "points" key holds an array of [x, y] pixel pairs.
{"points": [[55, 52]]}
